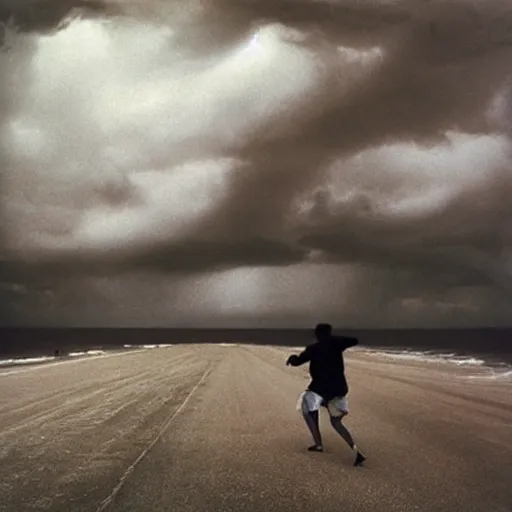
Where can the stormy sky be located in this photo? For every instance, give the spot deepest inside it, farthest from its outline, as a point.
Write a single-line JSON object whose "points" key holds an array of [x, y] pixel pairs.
{"points": [[256, 163]]}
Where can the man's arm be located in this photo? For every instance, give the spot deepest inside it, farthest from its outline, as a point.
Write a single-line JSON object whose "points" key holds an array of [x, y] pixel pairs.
{"points": [[303, 357], [345, 342]]}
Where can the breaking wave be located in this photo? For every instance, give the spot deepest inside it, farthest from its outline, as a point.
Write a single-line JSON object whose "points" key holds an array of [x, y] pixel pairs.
{"points": [[26, 360], [480, 369], [88, 353], [428, 357], [164, 345]]}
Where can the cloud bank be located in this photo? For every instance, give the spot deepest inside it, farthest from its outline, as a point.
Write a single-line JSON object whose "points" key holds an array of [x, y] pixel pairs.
{"points": [[270, 162]]}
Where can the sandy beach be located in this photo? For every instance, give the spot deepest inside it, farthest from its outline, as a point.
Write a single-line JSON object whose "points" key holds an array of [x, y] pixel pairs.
{"points": [[214, 428]]}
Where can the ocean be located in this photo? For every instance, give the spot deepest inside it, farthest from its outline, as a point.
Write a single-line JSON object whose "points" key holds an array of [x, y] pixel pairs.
{"points": [[32, 344]]}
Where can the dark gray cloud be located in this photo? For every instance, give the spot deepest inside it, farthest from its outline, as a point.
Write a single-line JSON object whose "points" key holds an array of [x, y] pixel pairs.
{"points": [[48, 15], [187, 257], [353, 135], [418, 91]]}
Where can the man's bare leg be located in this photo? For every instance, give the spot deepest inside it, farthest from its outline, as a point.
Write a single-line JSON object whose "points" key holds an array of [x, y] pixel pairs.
{"points": [[311, 419], [343, 431]]}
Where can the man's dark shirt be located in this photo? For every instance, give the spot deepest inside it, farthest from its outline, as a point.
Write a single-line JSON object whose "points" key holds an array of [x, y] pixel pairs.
{"points": [[326, 365]]}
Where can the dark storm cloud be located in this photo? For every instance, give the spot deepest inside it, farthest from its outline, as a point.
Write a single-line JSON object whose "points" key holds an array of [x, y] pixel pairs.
{"points": [[465, 238], [463, 221], [339, 21], [402, 75], [44, 15], [437, 73], [216, 255], [188, 256]]}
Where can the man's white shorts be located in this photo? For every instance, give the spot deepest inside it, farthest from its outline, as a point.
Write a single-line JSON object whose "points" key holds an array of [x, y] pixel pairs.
{"points": [[311, 401]]}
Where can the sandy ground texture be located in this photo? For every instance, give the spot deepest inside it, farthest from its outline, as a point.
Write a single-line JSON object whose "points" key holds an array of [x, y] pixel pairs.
{"points": [[214, 428]]}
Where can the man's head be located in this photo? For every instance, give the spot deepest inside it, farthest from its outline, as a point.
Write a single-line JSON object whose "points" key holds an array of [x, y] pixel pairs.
{"points": [[323, 331]]}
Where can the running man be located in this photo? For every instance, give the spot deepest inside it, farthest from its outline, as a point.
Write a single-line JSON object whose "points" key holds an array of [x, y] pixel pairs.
{"points": [[328, 387]]}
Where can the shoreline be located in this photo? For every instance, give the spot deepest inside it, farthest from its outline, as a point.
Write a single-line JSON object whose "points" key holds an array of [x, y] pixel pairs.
{"points": [[408, 356]]}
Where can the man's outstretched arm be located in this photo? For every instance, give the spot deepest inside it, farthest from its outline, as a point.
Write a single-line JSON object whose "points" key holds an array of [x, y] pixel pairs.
{"points": [[297, 360], [345, 342]]}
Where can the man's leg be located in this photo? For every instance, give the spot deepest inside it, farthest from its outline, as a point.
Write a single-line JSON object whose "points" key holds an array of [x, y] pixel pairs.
{"points": [[342, 430], [310, 410], [338, 409]]}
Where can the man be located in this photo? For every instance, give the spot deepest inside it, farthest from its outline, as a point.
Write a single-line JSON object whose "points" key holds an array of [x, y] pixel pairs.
{"points": [[328, 387]]}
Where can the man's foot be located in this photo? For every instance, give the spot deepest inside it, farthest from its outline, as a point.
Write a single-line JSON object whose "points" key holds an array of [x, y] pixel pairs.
{"points": [[316, 448], [360, 458]]}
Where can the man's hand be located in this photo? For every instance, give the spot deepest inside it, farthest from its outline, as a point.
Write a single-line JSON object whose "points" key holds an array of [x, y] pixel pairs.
{"points": [[292, 360]]}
